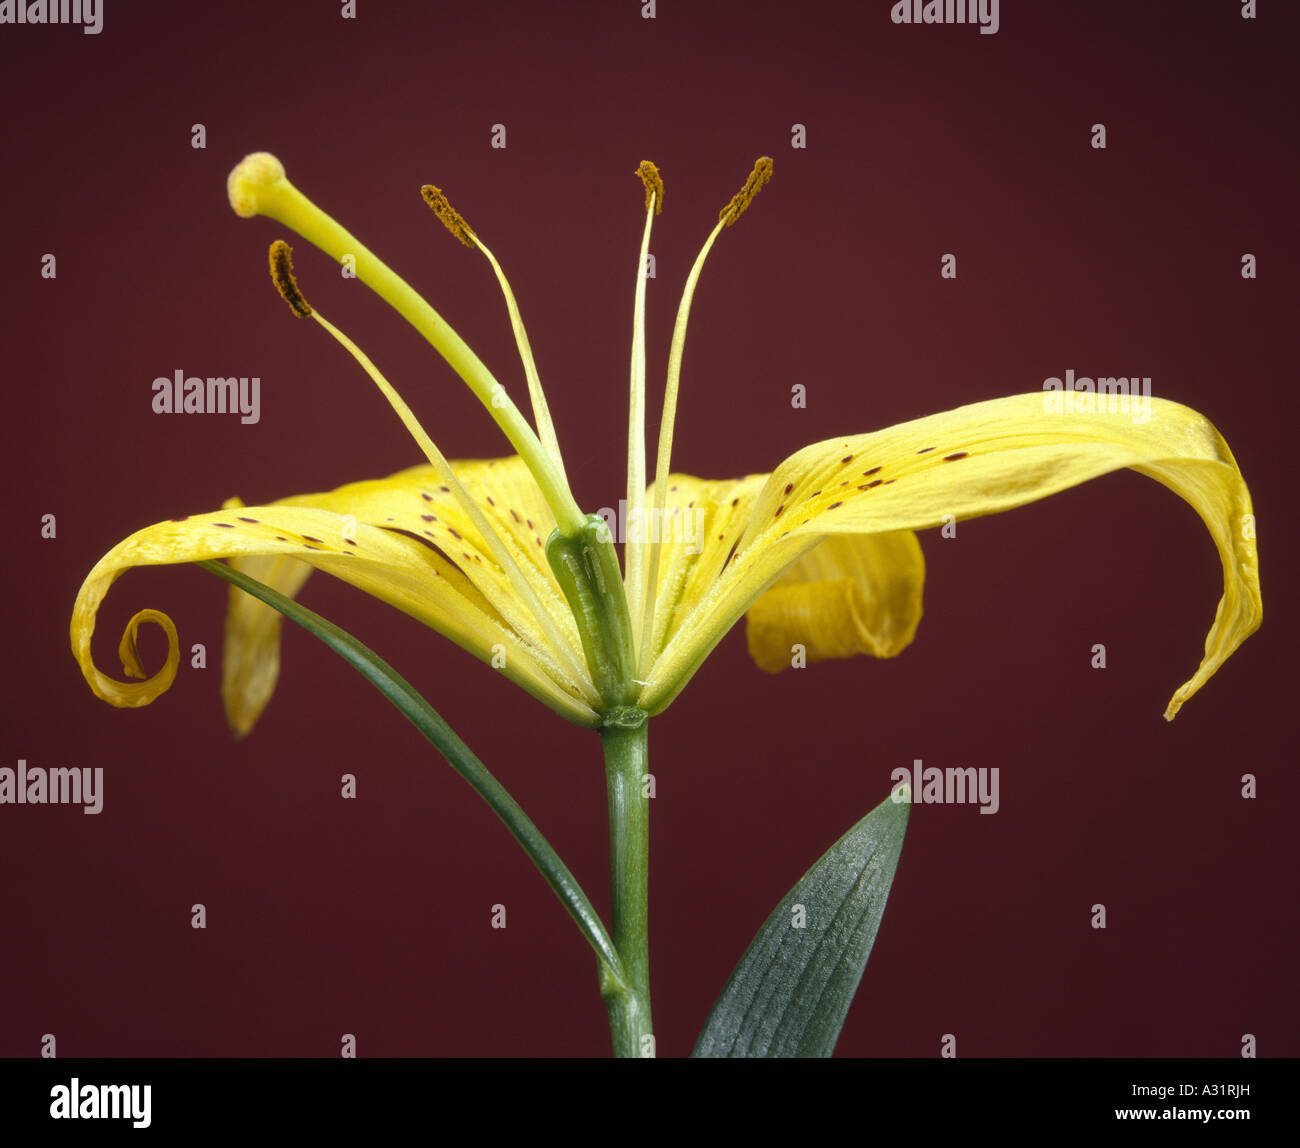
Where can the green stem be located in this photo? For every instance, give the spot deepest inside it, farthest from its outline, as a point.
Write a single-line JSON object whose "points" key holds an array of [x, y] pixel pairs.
{"points": [[626, 768]]}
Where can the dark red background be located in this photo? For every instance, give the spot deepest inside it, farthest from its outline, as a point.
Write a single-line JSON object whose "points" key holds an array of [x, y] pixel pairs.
{"points": [[372, 916]]}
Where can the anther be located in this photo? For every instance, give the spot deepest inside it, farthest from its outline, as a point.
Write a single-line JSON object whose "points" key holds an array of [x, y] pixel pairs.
{"points": [[654, 185], [757, 178], [451, 218], [282, 274]]}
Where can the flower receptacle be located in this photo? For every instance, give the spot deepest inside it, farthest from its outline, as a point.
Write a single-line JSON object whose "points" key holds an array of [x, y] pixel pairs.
{"points": [[587, 569]]}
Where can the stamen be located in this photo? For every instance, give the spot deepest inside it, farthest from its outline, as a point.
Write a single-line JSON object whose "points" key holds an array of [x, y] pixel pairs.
{"points": [[654, 186], [634, 546], [753, 185], [282, 274], [757, 178], [451, 218], [456, 224]]}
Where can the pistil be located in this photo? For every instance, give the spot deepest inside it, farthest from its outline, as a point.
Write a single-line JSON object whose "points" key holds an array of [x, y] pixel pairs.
{"points": [[258, 186]]}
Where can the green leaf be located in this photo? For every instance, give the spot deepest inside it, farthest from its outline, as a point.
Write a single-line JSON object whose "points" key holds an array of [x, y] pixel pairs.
{"points": [[792, 989], [459, 756]]}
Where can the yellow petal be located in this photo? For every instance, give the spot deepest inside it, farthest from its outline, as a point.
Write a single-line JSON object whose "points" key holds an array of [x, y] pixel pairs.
{"points": [[975, 460], [250, 658], [850, 594], [250, 662], [703, 523], [384, 557], [127, 695], [416, 502], [419, 504]]}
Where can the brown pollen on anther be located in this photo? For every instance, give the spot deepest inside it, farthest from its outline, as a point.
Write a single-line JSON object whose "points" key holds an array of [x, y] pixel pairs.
{"points": [[281, 258], [654, 185], [451, 218], [741, 200]]}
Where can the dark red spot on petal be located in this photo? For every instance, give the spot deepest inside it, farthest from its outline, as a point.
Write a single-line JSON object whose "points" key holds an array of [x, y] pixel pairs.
{"points": [[955, 457], [243, 519], [429, 517], [514, 515], [778, 510], [454, 534], [846, 459], [426, 497], [889, 480], [445, 489], [490, 502], [226, 525], [734, 502], [309, 538], [789, 486], [924, 449], [833, 505], [869, 473]]}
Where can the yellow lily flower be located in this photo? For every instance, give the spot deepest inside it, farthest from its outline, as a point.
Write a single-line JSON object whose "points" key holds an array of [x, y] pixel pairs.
{"points": [[819, 554]]}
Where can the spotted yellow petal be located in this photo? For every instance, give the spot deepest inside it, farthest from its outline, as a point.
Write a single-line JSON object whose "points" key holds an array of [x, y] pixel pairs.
{"points": [[850, 594], [418, 503], [697, 538], [375, 537], [975, 460]]}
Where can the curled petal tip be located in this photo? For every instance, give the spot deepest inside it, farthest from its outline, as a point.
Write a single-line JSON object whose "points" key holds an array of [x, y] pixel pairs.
{"points": [[124, 695], [250, 181]]}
